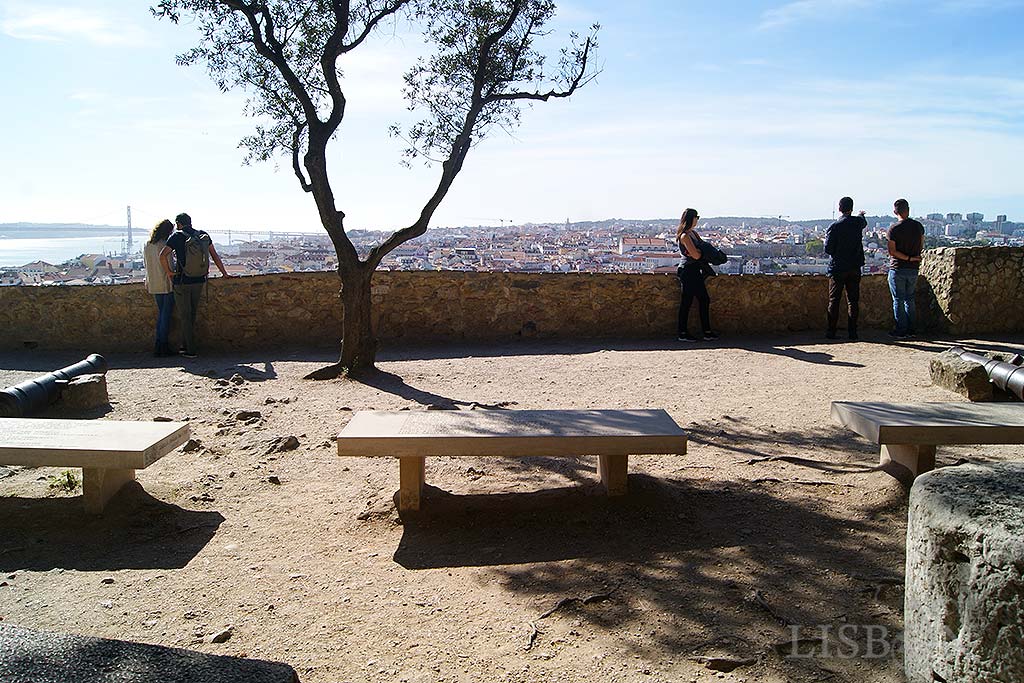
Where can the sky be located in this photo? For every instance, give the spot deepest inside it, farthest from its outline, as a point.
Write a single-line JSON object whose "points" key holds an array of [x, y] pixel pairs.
{"points": [[737, 108]]}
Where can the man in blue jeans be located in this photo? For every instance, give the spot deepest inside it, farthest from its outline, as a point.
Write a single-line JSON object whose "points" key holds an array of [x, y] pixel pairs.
{"points": [[906, 242]]}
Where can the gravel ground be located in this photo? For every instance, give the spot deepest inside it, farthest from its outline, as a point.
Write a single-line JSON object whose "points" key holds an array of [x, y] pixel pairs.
{"points": [[775, 525]]}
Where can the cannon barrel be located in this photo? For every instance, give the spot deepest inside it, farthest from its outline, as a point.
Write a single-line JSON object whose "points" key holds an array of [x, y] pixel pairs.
{"points": [[1006, 376], [35, 394]]}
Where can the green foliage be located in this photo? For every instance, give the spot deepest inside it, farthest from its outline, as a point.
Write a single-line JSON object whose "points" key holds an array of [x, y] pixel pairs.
{"points": [[65, 482], [814, 247], [454, 86]]}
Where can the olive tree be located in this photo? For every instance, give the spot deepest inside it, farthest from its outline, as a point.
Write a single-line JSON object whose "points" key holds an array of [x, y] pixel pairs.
{"points": [[484, 64]]}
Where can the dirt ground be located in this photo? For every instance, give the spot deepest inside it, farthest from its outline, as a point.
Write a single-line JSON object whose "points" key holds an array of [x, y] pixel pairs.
{"points": [[775, 528]]}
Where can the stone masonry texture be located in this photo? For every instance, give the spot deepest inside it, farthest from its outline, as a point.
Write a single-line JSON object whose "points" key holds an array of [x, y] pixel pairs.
{"points": [[304, 309], [964, 601], [974, 289]]}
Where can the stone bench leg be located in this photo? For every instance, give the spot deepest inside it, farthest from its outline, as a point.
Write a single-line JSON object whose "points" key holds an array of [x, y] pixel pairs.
{"points": [[411, 475], [906, 462], [100, 485], [613, 469]]}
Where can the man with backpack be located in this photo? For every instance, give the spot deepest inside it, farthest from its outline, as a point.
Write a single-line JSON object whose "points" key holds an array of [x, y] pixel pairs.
{"points": [[192, 250]]}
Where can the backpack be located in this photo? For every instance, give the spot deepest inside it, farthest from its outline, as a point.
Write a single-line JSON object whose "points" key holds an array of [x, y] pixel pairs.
{"points": [[197, 255]]}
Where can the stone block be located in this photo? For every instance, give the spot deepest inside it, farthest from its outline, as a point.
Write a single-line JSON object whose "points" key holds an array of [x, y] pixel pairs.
{"points": [[83, 393], [28, 656], [964, 604], [967, 378]]}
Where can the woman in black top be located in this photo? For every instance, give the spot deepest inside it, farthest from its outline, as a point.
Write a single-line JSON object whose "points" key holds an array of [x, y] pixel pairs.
{"points": [[691, 277]]}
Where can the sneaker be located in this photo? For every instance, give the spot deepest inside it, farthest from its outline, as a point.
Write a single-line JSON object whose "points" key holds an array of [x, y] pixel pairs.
{"points": [[710, 336], [686, 338], [854, 336], [896, 334], [188, 354]]}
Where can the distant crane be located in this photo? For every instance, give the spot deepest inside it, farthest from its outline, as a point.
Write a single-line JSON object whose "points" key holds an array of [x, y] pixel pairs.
{"points": [[778, 220]]}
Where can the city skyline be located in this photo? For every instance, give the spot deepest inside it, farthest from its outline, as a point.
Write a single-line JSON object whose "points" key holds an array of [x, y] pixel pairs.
{"points": [[763, 108]]}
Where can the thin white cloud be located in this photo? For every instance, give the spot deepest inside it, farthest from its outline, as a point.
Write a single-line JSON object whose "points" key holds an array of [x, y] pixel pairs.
{"points": [[54, 23], [804, 10], [979, 5]]}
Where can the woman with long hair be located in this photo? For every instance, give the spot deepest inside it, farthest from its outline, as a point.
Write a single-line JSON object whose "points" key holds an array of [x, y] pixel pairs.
{"points": [[159, 285], [691, 275]]}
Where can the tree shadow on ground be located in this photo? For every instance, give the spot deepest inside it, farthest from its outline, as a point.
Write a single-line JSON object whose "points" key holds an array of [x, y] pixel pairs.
{"points": [[391, 383], [135, 531], [221, 371], [677, 566]]}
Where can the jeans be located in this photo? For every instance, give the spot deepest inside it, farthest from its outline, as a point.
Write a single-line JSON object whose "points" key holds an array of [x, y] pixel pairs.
{"points": [[902, 283], [164, 308], [837, 282], [691, 278], [186, 300]]}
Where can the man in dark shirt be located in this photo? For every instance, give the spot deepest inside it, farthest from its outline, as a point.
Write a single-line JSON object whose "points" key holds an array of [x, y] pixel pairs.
{"points": [[844, 242], [906, 242]]}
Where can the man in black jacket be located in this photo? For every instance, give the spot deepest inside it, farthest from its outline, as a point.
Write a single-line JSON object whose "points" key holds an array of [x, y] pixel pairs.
{"points": [[844, 242]]}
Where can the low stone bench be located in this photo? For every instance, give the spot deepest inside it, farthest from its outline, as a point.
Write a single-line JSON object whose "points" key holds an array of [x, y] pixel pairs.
{"points": [[910, 432], [108, 451], [612, 435], [964, 602], [28, 656]]}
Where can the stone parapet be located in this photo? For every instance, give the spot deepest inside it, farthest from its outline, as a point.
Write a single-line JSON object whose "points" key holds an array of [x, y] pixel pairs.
{"points": [[974, 290], [304, 309]]}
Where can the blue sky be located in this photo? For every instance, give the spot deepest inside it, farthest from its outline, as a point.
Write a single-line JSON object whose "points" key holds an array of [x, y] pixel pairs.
{"points": [[735, 108]]}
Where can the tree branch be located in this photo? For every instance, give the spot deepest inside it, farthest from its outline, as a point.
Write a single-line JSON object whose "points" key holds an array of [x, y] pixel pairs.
{"points": [[372, 23], [578, 81], [271, 49], [296, 146]]}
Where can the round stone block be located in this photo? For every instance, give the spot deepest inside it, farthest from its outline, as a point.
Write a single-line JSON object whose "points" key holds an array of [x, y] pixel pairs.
{"points": [[964, 604]]}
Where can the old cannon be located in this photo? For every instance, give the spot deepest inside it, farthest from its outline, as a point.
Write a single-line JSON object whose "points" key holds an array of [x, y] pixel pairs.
{"points": [[1007, 376], [35, 394]]}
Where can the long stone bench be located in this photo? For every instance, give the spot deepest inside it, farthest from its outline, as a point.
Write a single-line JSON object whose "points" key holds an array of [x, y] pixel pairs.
{"points": [[910, 432], [28, 656], [108, 451], [612, 435]]}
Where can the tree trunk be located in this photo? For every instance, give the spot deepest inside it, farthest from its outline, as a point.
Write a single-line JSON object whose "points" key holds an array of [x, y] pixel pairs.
{"points": [[358, 345]]}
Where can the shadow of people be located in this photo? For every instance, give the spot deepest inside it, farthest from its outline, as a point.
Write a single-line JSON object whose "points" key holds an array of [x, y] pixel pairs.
{"points": [[135, 531], [815, 357]]}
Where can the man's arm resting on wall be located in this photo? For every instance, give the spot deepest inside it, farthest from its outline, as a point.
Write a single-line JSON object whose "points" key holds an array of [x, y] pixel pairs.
{"points": [[220, 264]]}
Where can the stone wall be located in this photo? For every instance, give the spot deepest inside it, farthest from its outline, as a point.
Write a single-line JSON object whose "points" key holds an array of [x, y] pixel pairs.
{"points": [[963, 290], [974, 290]]}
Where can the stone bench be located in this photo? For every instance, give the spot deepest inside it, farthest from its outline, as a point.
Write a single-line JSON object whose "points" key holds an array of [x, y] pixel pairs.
{"points": [[28, 656], [964, 602], [612, 435], [108, 451], [910, 432]]}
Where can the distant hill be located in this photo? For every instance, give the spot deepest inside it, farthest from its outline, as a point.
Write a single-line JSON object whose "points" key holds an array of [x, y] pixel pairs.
{"points": [[60, 229]]}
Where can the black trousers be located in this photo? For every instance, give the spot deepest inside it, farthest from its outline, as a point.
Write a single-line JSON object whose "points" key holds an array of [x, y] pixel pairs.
{"points": [[848, 280], [691, 279]]}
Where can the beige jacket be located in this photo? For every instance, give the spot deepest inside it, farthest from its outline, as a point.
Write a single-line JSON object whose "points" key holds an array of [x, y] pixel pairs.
{"points": [[157, 281]]}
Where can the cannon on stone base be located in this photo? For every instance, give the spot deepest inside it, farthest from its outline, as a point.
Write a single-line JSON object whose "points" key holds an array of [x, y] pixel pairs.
{"points": [[1007, 376], [35, 394]]}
